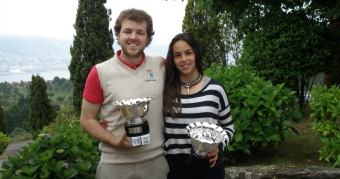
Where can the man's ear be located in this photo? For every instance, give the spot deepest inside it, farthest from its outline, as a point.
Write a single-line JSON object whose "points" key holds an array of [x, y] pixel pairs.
{"points": [[117, 40]]}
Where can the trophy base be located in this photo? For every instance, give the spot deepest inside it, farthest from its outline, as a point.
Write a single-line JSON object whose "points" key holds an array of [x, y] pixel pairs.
{"points": [[198, 160], [137, 129], [140, 140]]}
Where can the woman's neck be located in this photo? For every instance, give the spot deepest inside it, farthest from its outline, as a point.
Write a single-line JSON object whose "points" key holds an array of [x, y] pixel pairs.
{"points": [[189, 78]]}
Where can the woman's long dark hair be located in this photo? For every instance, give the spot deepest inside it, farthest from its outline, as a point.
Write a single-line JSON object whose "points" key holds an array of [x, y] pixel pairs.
{"points": [[172, 87]]}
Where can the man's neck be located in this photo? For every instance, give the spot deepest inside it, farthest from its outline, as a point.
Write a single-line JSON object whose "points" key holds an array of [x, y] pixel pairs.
{"points": [[133, 63]]}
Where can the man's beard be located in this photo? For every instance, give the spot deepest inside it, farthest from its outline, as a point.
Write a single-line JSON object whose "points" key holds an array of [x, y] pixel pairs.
{"points": [[129, 55]]}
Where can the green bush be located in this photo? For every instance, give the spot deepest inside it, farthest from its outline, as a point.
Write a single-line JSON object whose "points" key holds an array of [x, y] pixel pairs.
{"points": [[64, 116], [68, 153], [4, 141], [325, 105], [19, 134], [262, 113]]}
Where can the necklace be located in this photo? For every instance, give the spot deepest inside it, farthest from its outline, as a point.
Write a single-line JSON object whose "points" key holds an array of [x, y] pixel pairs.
{"points": [[190, 84]]}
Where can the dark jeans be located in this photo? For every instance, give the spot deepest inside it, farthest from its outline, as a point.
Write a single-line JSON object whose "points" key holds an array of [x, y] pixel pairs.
{"points": [[180, 168]]}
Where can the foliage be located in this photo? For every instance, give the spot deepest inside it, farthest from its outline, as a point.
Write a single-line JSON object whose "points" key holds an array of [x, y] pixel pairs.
{"points": [[41, 112], [64, 116], [91, 44], [19, 134], [13, 119], [292, 50], [57, 81], [326, 112], [22, 102], [5, 88], [68, 153], [249, 16], [262, 112], [17, 114], [3, 121], [4, 141], [217, 43]]}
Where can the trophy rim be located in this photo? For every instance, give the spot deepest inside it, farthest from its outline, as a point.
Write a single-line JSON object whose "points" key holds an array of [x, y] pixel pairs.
{"points": [[133, 108]]}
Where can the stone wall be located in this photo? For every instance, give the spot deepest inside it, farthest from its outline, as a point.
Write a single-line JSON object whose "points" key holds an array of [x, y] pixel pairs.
{"points": [[277, 172]]}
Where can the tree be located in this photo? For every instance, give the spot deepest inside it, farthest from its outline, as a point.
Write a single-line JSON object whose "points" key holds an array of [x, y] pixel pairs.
{"points": [[60, 99], [6, 88], [15, 90], [291, 49], [13, 119], [41, 112], [250, 15], [92, 44], [3, 121], [209, 32], [56, 80], [331, 9]]}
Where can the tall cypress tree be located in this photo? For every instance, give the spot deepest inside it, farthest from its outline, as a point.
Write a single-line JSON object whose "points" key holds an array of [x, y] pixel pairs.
{"points": [[211, 31], [3, 121], [41, 112], [92, 44]]}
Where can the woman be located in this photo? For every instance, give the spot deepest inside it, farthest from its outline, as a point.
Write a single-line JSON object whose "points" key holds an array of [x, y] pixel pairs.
{"points": [[202, 99]]}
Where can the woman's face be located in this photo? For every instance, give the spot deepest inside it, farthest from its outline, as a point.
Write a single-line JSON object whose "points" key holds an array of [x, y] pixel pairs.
{"points": [[184, 59]]}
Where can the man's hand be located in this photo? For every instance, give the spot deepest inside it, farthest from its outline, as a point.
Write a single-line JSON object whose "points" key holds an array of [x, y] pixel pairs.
{"points": [[122, 142], [213, 155]]}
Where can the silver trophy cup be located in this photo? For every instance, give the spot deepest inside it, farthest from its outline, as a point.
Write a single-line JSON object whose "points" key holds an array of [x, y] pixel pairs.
{"points": [[133, 110], [205, 138]]}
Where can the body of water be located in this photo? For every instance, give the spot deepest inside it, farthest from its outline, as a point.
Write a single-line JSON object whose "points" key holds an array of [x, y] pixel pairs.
{"points": [[47, 75]]}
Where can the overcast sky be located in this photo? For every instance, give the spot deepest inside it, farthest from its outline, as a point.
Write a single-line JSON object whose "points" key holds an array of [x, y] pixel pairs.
{"points": [[55, 18]]}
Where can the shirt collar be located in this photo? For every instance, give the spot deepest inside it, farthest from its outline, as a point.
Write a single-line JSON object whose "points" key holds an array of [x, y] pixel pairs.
{"points": [[132, 66]]}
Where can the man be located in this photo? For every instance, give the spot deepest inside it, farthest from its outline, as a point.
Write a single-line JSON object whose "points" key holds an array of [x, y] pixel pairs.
{"points": [[129, 74]]}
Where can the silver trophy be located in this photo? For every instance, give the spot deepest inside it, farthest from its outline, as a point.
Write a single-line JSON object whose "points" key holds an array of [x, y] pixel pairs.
{"points": [[205, 138], [133, 110]]}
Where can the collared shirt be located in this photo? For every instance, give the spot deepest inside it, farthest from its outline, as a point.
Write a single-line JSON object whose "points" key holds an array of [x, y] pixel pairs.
{"points": [[132, 66]]}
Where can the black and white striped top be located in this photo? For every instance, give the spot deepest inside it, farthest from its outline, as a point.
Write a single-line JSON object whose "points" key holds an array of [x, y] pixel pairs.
{"points": [[208, 105]]}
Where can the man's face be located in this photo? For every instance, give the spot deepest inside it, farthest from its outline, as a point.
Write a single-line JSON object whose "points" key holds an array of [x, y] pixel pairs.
{"points": [[133, 39]]}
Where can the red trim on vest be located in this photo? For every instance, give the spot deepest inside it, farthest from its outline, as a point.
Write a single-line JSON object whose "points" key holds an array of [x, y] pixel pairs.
{"points": [[132, 66]]}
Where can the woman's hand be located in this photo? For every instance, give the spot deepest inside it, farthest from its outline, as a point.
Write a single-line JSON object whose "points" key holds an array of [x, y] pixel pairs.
{"points": [[103, 124], [213, 155]]}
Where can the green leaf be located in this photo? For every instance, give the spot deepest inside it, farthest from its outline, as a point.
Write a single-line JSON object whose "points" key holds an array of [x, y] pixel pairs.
{"points": [[46, 155], [84, 165], [29, 170], [44, 175], [286, 123], [296, 115], [238, 137], [69, 173], [58, 165]]}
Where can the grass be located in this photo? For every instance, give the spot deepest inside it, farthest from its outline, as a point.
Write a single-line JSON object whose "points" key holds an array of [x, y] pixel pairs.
{"points": [[298, 150]]}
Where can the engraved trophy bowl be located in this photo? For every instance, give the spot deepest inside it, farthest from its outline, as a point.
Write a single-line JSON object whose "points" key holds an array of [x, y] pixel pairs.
{"points": [[205, 137], [133, 110]]}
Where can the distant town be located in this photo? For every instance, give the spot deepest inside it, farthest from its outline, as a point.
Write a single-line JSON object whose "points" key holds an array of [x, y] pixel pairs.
{"points": [[20, 55]]}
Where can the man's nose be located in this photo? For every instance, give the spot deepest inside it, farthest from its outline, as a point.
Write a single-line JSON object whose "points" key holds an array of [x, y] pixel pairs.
{"points": [[133, 35]]}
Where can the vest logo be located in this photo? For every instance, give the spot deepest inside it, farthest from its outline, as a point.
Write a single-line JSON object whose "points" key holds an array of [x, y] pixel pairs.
{"points": [[149, 73]]}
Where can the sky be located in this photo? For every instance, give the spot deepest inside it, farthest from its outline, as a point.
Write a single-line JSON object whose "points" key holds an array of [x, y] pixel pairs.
{"points": [[55, 18]]}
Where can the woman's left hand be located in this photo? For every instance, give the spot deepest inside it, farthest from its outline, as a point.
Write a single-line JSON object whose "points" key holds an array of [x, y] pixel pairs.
{"points": [[213, 155]]}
